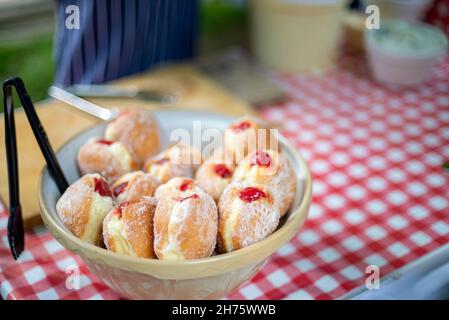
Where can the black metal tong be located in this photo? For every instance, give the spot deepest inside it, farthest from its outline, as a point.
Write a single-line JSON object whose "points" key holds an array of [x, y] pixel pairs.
{"points": [[15, 223]]}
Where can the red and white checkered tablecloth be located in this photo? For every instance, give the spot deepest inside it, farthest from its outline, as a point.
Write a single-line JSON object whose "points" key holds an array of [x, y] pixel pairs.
{"points": [[380, 194]]}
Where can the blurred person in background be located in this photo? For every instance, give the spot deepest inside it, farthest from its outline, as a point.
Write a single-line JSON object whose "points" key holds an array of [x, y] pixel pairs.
{"points": [[118, 38]]}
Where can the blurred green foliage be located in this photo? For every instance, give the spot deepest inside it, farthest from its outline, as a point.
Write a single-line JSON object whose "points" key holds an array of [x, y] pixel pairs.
{"points": [[32, 61], [219, 15]]}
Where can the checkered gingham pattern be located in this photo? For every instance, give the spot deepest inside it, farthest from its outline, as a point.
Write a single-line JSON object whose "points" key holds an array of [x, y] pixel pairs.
{"points": [[380, 195]]}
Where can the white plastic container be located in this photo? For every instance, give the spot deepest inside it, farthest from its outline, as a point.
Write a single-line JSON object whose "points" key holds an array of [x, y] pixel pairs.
{"points": [[404, 53]]}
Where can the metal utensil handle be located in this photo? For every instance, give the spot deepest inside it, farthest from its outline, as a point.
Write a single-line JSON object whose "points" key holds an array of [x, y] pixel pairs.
{"points": [[103, 91], [112, 91], [81, 104]]}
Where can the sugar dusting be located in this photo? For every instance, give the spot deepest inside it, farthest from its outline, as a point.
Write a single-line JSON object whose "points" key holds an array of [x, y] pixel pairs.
{"points": [[111, 161], [212, 182], [191, 221], [283, 183], [138, 130], [172, 188], [279, 177], [244, 223], [138, 184], [82, 210], [100, 206], [131, 234]]}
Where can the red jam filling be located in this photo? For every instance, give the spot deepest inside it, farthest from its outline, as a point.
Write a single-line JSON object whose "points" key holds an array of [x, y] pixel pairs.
{"points": [[106, 142], [161, 161], [222, 171], [193, 196], [120, 188], [242, 126], [102, 188], [251, 194], [121, 207], [186, 184], [261, 159]]}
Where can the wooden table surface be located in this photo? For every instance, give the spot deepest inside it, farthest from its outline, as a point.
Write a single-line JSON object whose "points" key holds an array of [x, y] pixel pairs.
{"points": [[194, 91]]}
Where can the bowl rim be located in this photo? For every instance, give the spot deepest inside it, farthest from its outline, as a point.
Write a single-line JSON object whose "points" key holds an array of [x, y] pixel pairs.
{"points": [[228, 262]]}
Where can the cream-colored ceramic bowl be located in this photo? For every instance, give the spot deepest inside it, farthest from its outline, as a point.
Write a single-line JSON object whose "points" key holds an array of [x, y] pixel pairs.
{"points": [[140, 278]]}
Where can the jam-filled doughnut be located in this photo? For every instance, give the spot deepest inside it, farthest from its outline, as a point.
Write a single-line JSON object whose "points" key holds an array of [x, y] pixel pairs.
{"points": [[134, 185], [177, 187], [214, 175], [138, 130], [163, 169], [272, 169], [83, 206], [185, 227], [246, 135], [178, 160], [248, 213], [183, 153], [109, 158], [128, 228]]}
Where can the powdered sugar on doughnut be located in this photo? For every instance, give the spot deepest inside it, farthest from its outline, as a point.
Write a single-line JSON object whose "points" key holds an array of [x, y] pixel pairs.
{"points": [[82, 210], [279, 176], [164, 168], [176, 188], [138, 131], [185, 228], [128, 228], [212, 180], [110, 160], [182, 153], [243, 223], [246, 135], [132, 186], [283, 184]]}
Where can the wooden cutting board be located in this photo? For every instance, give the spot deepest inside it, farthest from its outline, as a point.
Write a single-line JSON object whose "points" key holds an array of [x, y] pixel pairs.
{"points": [[193, 91]]}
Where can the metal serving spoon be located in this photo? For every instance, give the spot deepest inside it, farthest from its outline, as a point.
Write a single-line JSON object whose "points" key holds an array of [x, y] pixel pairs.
{"points": [[110, 91], [82, 104]]}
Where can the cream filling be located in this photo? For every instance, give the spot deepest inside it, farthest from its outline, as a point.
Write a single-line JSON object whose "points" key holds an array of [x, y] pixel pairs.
{"points": [[229, 227], [121, 197], [131, 175], [127, 177], [109, 133], [173, 251], [157, 171], [115, 230], [252, 174], [122, 155], [100, 206]]}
